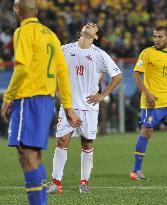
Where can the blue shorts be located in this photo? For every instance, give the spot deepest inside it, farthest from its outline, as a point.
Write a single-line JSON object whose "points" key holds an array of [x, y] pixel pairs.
{"points": [[30, 121], [152, 117]]}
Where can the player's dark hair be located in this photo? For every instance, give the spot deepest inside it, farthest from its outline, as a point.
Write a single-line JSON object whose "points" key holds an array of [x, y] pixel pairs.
{"points": [[161, 28], [100, 37]]}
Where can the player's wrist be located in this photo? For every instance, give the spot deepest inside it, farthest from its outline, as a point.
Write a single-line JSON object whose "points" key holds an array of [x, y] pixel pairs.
{"points": [[68, 111], [6, 100]]}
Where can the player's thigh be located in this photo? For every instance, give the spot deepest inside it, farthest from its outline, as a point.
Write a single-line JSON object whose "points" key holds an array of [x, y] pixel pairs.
{"points": [[88, 129], [63, 127], [152, 117]]}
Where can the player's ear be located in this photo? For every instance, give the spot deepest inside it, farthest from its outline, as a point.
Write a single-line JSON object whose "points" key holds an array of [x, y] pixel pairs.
{"points": [[36, 12]]}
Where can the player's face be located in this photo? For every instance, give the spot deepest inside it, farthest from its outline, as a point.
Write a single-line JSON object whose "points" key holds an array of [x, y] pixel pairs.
{"points": [[160, 39], [91, 29]]}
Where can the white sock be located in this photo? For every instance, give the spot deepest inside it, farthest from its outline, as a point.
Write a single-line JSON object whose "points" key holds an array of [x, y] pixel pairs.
{"points": [[59, 160], [86, 164]]}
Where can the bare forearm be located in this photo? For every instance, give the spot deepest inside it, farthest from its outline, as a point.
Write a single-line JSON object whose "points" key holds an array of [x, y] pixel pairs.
{"points": [[115, 81], [139, 82]]}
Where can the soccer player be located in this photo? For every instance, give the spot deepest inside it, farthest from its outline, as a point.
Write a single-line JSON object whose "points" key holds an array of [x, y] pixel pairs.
{"points": [[86, 64], [39, 61], [152, 63]]}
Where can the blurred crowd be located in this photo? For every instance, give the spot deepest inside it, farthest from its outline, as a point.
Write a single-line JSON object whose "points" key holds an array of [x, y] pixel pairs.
{"points": [[127, 26]]}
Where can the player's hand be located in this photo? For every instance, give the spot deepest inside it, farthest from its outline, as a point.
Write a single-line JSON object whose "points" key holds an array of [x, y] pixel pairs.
{"points": [[150, 99], [72, 118], [5, 111], [94, 99]]}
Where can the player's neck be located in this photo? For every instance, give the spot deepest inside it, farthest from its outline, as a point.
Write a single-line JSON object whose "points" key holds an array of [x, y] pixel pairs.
{"points": [[22, 18], [85, 43]]}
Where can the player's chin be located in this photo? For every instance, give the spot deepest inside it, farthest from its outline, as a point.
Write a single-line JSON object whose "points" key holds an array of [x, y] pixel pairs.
{"points": [[159, 46]]}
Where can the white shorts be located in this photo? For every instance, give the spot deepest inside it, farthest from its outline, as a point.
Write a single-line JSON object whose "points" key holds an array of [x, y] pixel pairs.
{"points": [[88, 129]]}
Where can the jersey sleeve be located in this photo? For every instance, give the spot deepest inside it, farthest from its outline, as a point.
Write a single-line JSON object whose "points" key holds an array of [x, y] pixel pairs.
{"points": [[142, 61], [107, 65], [19, 74], [22, 60], [63, 78]]}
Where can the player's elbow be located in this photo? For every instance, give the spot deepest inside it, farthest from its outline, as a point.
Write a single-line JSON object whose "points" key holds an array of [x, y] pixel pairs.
{"points": [[22, 69], [119, 77]]}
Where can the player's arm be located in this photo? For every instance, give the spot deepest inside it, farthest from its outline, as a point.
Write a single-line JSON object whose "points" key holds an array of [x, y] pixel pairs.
{"points": [[63, 79], [65, 89], [23, 55], [17, 79], [19, 74], [111, 86], [139, 82], [107, 65], [139, 69], [137, 76]]}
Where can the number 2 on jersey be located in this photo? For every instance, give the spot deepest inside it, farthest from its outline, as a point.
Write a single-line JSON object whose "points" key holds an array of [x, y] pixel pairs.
{"points": [[50, 51], [165, 71], [80, 69]]}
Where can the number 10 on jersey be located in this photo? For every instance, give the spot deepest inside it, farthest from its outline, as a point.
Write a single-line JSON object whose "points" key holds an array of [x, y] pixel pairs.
{"points": [[80, 69]]}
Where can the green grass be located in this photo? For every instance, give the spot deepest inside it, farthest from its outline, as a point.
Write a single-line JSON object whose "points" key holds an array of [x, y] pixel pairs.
{"points": [[110, 184]]}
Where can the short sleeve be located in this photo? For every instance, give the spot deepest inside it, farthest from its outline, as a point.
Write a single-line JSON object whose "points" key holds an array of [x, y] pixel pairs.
{"points": [[108, 65], [142, 61]]}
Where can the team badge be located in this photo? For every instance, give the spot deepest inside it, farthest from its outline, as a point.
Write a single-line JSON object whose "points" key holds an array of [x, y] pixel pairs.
{"points": [[150, 119], [140, 63], [89, 57]]}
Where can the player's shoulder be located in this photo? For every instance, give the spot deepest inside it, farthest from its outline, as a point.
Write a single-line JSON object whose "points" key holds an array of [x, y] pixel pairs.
{"points": [[48, 33], [148, 50], [98, 50], [68, 46], [37, 27], [17, 30], [44, 30], [17, 33], [145, 53]]}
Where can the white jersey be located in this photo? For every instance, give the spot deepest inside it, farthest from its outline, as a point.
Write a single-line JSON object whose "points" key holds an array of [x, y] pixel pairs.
{"points": [[85, 69]]}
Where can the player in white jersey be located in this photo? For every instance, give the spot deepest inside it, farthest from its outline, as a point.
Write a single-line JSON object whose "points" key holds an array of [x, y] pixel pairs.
{"points": [[86, 64]]}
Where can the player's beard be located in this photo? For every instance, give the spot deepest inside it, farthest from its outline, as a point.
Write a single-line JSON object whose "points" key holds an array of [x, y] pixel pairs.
{"points": [[163, 46]]}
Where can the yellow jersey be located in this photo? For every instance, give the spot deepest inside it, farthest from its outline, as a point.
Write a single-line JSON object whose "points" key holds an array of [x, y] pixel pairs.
{"points": [[153, 63], [39, 63]]}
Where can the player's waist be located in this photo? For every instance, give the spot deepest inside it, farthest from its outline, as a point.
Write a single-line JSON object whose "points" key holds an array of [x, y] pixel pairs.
{"points": [[144, 105], [87, 109], [32, 94]]}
